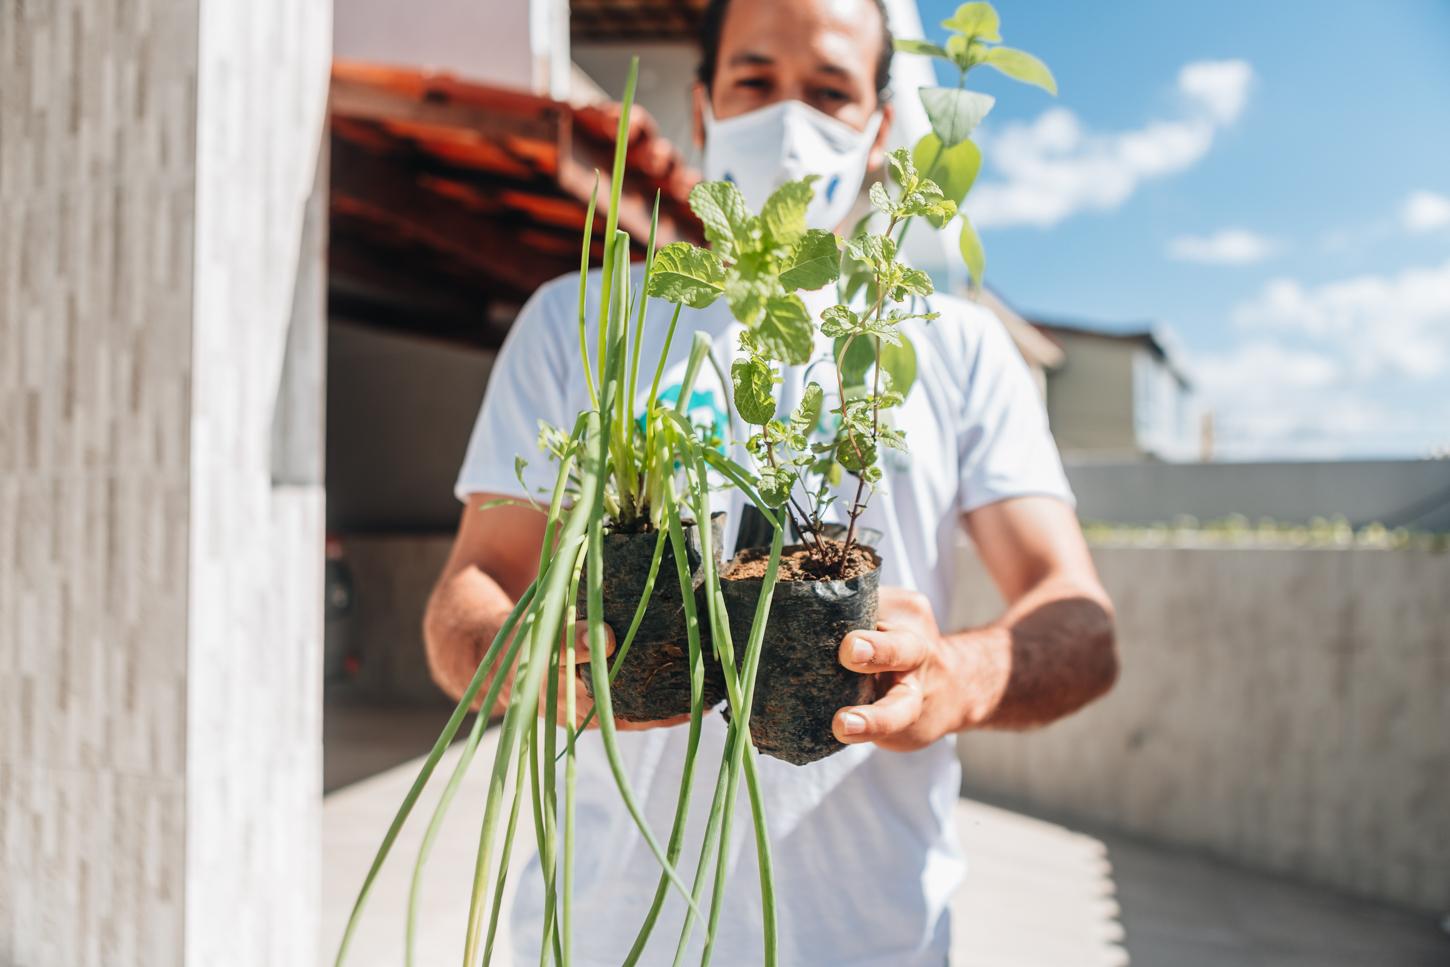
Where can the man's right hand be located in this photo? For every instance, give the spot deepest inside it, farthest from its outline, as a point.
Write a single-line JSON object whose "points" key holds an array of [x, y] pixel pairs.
{"points": [[583, 703], [495, 556]]}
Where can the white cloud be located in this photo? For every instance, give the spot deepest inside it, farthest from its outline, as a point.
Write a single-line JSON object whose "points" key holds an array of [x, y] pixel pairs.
{"points": [[1231, 246], [1425, 211], [1052, 168], [1266, 367], [1324, 369], [1221, 86], [1397, 324]]}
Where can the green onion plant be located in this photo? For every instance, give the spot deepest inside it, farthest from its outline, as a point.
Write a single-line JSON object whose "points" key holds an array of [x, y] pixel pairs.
{"points": [[613, 470]]}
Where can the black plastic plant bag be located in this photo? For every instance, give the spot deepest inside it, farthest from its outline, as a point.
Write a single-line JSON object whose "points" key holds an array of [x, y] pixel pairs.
{"points": [[653, 682], [801, 682]]}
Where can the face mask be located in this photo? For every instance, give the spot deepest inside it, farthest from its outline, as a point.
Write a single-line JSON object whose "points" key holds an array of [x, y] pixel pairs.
{"points": [[761, 150]]}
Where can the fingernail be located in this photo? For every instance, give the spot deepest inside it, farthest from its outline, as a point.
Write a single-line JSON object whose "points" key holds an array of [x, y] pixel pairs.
{"points": [[853, 723], [861, 651]]}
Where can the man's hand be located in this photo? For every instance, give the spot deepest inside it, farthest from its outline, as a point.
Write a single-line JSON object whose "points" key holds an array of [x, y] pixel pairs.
{"points": [[583, 703], [1050, 653], [922, 695], [495, 557]]}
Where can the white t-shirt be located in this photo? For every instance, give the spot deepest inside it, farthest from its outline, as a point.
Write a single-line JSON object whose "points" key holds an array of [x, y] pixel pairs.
{"points": [[864, 852]]}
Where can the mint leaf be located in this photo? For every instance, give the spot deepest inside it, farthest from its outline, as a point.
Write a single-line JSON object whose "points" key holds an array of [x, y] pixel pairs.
{"points": [[774, 486], [899, 363], [813, 262], [683, 273], [754, 400], [784, 213], [748, 284], [953, 112], [916, 282], [972, 253], [899, 161], [871, 249], [954, 168], [721, 207], [857, 360], [784, 331], [975, 20], [839, 321], [906, 45], [808, 412], [1022, 66]]}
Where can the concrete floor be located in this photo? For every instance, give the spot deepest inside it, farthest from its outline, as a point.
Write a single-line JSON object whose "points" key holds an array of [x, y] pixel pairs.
{"points": [[1038, 893]]}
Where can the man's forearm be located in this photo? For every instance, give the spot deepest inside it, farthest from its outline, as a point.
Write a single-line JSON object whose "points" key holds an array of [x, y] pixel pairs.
{"points": [[464, 615], [1050, 654]]}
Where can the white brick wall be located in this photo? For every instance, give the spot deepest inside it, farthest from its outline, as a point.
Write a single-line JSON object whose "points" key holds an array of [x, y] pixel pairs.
{"points": [[1288, 709]]}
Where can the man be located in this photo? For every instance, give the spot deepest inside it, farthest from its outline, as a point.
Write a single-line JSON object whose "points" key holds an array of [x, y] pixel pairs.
{"points": [[864, 851]]}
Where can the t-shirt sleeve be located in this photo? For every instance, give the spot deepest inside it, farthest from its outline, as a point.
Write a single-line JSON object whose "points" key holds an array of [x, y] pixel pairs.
{"points": [[1004, 446], [528, 384]]}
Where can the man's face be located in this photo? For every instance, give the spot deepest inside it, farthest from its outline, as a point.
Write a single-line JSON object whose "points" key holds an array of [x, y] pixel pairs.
{"points": [[820, 52]]}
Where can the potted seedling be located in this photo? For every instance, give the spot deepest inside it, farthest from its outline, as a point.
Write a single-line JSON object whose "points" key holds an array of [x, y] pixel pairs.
{"points": [[615, 476], [829, 580], [618, 476]]}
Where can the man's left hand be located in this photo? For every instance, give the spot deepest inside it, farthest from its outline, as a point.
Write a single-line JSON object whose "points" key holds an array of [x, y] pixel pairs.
{"points": [[920, 691]]}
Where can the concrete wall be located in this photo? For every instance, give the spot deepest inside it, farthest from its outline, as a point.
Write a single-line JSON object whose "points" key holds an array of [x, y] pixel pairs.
{"points": [[666, 70], [400, 413], [392, 576], [514, 43], [254, 686], [1287, 709], [1090, 397], [1409, 493], [159, 595]]}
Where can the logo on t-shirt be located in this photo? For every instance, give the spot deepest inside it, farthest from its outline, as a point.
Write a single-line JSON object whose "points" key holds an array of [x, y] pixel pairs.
{"points": [[704, 411]]}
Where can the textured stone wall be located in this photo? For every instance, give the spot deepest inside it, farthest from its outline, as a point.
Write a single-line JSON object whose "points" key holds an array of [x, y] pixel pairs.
{"points": [[1288, 709], [159, 597], [96, 211]]}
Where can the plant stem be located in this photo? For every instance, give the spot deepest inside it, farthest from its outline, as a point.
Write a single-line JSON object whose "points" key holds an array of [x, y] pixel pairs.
{"points": [[584, 291], [524, 702], [445, 738], [470, 747], [692, 743], [740, 686], [856, 506], [598, 666], [616, 189], [503, 865], [644, 599]]}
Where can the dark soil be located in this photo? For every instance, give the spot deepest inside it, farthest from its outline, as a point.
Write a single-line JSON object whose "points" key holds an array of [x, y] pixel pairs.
{"points": [[802, 562], [801, 683], [653, 682]]}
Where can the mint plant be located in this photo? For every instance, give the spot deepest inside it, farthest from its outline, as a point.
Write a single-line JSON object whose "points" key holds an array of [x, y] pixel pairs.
{"points": [[758, 263], [946, 155]]}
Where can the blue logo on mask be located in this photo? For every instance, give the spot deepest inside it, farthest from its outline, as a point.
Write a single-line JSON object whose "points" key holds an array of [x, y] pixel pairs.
{"points": [[831, 187]]}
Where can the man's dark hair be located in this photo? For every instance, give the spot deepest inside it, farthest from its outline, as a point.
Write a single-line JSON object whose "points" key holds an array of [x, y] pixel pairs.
{"points": [[713, 21]]}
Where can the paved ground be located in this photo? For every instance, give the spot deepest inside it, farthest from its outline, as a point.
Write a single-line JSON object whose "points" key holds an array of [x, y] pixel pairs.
{"points": [[1038, 894]]}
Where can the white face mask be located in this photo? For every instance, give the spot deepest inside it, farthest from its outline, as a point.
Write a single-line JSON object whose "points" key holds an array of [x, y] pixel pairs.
{"points": [[763, 149]]}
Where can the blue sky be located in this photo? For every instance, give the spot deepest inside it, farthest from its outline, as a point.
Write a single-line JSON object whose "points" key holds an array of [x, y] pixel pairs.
{"points": [[1270, 181]]}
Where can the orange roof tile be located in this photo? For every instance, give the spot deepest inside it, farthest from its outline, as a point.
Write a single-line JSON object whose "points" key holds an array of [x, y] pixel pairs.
{"points": [[478, 190]]}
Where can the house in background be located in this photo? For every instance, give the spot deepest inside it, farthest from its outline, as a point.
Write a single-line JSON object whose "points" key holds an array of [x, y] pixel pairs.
{"points": [[1121, 395]]}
